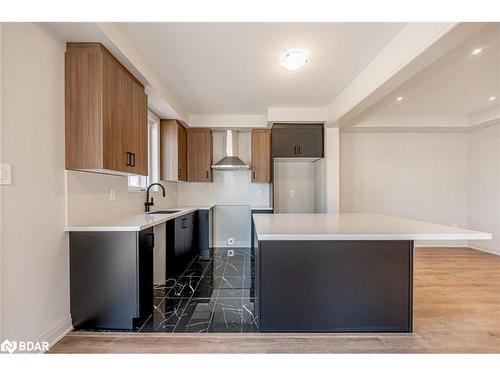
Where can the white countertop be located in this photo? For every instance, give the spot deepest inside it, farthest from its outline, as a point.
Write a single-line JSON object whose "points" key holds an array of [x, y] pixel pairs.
{"points": [[296, 227], [134, 223]]}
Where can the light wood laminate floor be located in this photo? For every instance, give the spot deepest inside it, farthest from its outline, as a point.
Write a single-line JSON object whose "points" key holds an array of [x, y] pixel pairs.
{"points": [[456, 310]]}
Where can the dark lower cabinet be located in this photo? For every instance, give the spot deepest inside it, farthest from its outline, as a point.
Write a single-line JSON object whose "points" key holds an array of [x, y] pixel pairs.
{"points": [[111, 279], [334, 286], [203, 233], [181, 245], [186, 237]]}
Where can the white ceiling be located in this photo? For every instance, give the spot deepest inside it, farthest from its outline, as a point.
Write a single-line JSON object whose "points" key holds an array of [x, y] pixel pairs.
{"points": [[458, 84], [232, 68]]}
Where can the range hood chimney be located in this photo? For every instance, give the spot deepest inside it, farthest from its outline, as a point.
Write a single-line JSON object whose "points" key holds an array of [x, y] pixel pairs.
{"points": [[230, 161]]}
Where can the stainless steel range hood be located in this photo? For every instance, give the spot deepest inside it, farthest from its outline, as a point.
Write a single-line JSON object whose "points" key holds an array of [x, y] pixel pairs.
{"points": [[230, 161]]}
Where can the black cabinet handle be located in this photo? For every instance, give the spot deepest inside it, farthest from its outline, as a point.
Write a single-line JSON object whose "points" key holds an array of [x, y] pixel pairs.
{"points": [[207, 175], [299, 149], [133, 160], [179, 172], [129, 162], [295, 150], [253, 175]]}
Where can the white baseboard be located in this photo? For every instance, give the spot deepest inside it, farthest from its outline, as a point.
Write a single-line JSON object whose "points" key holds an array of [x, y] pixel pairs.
{"points": [[56, 332], [483, 250]]}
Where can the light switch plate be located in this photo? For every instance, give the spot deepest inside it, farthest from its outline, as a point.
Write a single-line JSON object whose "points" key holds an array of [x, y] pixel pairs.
{"points": [[5, 174], [292, 193], [112, 194]]}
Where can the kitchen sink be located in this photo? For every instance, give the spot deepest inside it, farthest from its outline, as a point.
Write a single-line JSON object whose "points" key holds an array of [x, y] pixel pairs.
{"points": [[165, 212]]}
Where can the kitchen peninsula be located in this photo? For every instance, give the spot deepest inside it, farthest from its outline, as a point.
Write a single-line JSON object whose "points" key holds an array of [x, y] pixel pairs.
{"points": [[339, 272]]}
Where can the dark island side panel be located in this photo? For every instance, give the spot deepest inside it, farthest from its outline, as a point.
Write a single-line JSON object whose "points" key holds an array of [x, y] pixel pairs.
{"points": [[334, 286]]}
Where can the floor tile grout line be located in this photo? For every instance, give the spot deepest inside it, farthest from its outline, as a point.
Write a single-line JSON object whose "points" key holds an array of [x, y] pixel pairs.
{"points": [[187, 304], [216, 300], [163, 299]]}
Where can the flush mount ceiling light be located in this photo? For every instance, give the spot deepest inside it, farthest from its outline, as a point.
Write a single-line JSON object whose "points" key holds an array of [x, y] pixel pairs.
{"points": [[399, 98], [477, 51], [294, 59], [492, 98]]}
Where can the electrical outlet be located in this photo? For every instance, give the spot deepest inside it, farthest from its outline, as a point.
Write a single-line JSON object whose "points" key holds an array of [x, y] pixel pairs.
{"points": [[292, 193], [112, 194], [5, 174], [230, 241], [230, 253]]}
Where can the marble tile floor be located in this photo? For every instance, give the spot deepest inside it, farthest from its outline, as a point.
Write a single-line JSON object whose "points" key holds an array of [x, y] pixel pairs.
{"points": [[212, 294]]}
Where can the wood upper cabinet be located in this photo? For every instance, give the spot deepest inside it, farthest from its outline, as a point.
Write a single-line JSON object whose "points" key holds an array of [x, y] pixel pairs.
{"points": [[173, 151], [106, 113], [297, 140], [199, 155], [261, 155]]}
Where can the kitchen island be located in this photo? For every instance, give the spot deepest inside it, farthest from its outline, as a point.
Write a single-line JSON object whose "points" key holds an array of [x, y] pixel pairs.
{"points": [[339, 272]]}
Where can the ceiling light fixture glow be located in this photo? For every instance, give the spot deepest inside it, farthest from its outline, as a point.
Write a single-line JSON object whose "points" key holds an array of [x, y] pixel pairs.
{"points": [[399, 98], [492, 98], [477, 51], [294, 59]]}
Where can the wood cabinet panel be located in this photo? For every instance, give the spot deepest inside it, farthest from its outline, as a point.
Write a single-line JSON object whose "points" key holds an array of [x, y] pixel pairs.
{"points": [[173, 149], [199, 155], [83, 111], [261, 155], [181, 153], [106, 113]]}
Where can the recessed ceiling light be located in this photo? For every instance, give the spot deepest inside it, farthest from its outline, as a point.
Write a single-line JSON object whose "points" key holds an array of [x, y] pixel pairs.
{"points": [[477, 51], [492, 98], [399, 98], [294, 59]]}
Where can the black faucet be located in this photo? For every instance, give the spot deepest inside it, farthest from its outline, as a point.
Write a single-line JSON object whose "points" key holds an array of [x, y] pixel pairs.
{"points": [[148, 202]]}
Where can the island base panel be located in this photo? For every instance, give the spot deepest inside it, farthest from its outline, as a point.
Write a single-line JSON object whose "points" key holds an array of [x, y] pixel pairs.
{"points": [[334, 286]]}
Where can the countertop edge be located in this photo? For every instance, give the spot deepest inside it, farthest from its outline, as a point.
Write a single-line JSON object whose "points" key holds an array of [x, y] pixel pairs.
{"points": [[373, 237], [160, 218]]}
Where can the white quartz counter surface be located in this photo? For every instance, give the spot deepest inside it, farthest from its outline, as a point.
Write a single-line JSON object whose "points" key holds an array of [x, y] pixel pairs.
{"points": [[134, 223], [296, 227]]}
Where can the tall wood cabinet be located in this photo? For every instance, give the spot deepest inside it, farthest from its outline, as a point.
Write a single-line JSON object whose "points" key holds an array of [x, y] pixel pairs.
{"points": [[173, 151], [199, 155], [261, 155], [106, 113]]}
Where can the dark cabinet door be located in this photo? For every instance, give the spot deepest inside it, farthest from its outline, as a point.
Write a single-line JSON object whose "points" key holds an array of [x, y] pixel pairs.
{"points": [[179, 243], [284, 142], [203, 231], [189, 234], [310, 142], [145, 271]]}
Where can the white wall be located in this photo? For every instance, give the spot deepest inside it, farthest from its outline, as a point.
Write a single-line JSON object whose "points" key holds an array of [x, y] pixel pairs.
{"points": [[88, 197], [296, 176], [332, 170], [35, 264], [414, 175], [228, 188], [484, 185]]}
